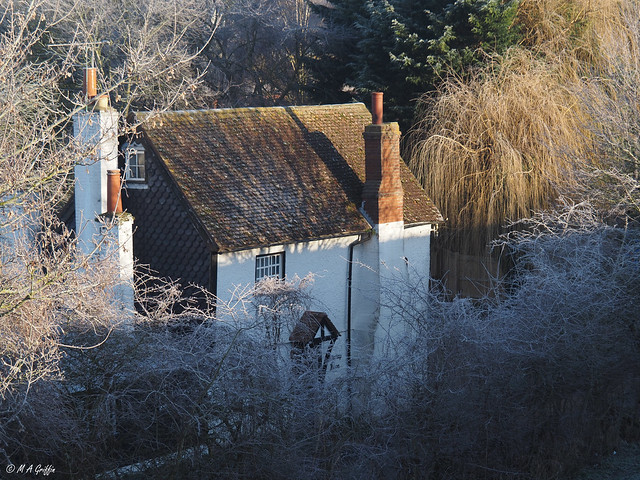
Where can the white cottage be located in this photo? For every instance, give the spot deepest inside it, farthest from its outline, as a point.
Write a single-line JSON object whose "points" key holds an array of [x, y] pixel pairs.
{"points": [[226, 197]]}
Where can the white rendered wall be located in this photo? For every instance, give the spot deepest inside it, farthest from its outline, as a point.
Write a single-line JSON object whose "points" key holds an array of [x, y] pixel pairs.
{"points": [[393, 257], [393, 277], [125, 261], [379, 267], [326, 259], [417, 250], [117, 246], [396, 258], [96, 133], [365, 301]]}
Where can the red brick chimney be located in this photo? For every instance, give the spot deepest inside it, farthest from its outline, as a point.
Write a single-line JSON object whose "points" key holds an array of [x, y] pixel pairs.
{"points": [[382, 193]]}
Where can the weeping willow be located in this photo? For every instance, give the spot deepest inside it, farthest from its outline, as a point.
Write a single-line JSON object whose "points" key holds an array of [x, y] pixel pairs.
{"points": [[505, 140]]}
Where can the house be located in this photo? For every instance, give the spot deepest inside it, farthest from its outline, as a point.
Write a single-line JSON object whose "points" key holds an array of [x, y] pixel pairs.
{"points": [[222, 198]]}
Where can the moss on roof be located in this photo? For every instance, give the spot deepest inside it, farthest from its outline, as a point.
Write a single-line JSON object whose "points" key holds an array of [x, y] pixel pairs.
{"points": [[259, 176]]}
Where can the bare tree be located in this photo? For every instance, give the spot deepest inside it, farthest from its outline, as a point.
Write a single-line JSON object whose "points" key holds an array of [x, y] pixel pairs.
{"points": [[548, 367], [48, 289], [279, 306], [611, 97], [146, 52], [261, 52], [507, 139]]}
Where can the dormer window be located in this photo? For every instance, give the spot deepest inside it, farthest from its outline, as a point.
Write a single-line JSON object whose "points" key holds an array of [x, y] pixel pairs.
{"points": [[134, 164]]}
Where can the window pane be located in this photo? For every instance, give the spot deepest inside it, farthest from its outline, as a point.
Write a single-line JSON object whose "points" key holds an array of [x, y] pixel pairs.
{"points": [[134, 164], [269, 266]]}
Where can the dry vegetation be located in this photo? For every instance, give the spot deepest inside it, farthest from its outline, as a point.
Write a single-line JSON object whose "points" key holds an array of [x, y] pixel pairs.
{"points": [[504, 141], [534, 385], [490, 153], [556, 117], [554, 26]]}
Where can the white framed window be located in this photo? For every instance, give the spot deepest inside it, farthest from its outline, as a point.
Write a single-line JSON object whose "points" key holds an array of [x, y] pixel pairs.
{"points": [[134, 163], [270, 265]]}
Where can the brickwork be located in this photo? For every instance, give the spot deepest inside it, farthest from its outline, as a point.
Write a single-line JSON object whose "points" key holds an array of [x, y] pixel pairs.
{"points": [[382, 193]]}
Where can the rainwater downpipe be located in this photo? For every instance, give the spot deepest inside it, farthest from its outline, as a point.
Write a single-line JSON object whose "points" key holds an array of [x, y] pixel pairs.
{"points": [[361, 239]]}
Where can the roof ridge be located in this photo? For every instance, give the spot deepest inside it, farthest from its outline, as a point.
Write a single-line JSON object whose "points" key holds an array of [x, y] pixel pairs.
{"points": [[226, 109]]}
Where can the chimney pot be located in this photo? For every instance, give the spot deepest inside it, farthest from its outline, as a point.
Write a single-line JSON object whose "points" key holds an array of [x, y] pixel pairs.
{"points": [[114, 199], [103, 103], [90, 82], [376, 107]]}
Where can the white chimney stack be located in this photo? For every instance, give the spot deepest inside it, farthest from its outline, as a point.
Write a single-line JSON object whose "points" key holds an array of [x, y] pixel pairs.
{"points": [[96, 135], [98, 190]]}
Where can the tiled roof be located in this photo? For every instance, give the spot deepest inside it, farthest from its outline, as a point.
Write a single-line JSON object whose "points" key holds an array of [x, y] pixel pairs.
{"points": [[178, 252], [263, 176], [307, 327], [418, 207]]}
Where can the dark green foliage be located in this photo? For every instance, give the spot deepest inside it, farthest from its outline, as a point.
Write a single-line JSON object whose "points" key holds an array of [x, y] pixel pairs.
{"points": [[404, 47]]}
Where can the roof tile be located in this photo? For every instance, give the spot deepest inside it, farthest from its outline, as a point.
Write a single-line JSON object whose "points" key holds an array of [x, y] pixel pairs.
{"points": [[256, 176]]}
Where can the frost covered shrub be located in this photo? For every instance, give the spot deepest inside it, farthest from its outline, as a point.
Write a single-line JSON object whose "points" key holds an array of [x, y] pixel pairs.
{"points": [[527, 383], [532, 382]]}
